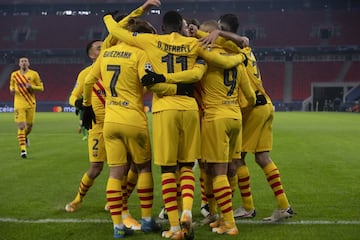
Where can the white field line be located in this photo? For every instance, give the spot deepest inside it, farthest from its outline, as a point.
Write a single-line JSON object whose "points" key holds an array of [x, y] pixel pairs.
{"points": [[288, 222]]}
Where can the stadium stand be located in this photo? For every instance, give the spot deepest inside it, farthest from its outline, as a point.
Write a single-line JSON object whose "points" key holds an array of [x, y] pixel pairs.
{"points": [[272, 74], [353, 74], [304, 73], [319, 37]]}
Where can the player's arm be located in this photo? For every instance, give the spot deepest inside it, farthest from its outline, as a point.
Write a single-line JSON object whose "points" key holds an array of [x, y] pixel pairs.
{"points": [[163, 89], [12, 83], [90, 80], [222, 38], [225, 61], [111, 40], [229, 41], [188, 76], [77, 92], [245, 86], [138, 40], [38, 84]]}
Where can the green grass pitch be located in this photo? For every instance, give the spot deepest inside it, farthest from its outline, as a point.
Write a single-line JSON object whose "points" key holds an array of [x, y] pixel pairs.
{"points": [[317, 154]]}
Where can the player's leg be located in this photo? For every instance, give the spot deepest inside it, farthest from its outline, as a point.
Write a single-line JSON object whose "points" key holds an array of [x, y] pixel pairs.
{"points": [[20, 120], [204, 206], [97, 156], [209, 193], [247, 209], [217, 150], [127, 188], [30, 117], [262, 158], [189, 150], [223, 195], [165, 144], [138, 144], [272, 175], [117, 161]]}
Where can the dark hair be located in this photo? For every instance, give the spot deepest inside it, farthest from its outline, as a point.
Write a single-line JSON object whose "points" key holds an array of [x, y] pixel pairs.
{"points": [[139, 25], [89, 45], [193, 21], [172, 20], [231, 21], [119, 16]]}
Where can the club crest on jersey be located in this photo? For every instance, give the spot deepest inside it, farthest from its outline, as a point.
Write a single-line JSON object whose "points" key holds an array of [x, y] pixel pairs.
{"points": [[100, 92], [148, 66]]}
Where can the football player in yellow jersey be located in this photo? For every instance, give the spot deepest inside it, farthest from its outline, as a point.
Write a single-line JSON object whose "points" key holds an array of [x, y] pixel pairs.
{"points": [[96, 147], [125, 126], [97, 153], [257, 131], [23, 84], [176, 131], [221, 130]]}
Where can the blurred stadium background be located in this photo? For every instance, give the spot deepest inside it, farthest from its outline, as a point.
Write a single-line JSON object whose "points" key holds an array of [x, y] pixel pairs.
{"points": [[308, 50]]}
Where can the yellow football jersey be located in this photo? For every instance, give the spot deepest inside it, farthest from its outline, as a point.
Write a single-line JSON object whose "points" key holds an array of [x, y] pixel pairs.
{"points": [[220, 90], [24, 97], [121, 68], [98, 94]]}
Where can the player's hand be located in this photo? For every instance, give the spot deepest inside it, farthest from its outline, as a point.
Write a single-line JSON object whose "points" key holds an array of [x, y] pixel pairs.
{"points": [[185, 89], [210, 39], [246, 60], [78, 103], [88, 117], [245, 42], [116, 15], [151, 78], [150, 3], [260, 99]]}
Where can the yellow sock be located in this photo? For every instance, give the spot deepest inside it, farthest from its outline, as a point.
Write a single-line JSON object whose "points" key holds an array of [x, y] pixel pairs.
{"points": [[273, 178], [21, 139], [178, 191], [125, 197], [187, 182], [114, 199], [210, 195], [244, 186], [202, 180], [169, 192], [132, 179], [233, 181], [145, 193], [223, 196], [84, 187]]}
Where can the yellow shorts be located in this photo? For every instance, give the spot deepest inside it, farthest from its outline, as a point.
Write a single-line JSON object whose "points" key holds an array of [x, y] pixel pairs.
{"points": [[176, 137], [121, 139], [96, 145], [220, 140], [257, 129], [25, 115]]}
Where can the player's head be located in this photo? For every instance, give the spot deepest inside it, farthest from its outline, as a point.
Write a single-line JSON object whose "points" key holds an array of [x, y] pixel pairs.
{"points": [[172, 22], [117, 16], [24, 63], [139, 25], [193, 21], [229, 22], [209, 26], [93, 49]]}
